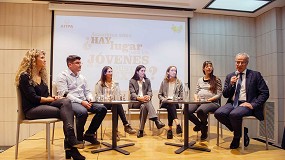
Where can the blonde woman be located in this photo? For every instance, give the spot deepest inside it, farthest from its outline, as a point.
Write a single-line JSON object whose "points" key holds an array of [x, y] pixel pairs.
{"points": [[170, 88], [32, 80]]}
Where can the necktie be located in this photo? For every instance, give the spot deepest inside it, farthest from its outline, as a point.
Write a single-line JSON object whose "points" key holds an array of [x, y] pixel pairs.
{"points": [[237, 91]]}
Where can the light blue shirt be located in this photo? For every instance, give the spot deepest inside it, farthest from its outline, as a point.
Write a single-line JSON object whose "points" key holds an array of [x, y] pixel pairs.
{"points": [[76, 86]]}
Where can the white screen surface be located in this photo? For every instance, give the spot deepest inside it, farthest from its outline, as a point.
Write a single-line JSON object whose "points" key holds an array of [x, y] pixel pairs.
{"points": [[123, 44]]}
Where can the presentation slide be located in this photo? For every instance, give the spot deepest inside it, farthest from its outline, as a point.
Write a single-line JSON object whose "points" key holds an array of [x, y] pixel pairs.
{"points": [[123, 44]]}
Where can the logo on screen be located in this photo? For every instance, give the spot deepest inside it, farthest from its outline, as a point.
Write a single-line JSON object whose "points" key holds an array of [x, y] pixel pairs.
{"points": [[66, 25], [176, 29]]}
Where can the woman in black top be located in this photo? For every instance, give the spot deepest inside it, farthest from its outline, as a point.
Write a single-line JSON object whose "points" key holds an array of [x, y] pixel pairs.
{"points": [[31, 79]]}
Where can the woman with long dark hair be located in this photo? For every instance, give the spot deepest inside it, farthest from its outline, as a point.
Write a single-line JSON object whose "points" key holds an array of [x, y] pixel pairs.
{"points": [[140, 90], [106, 83], [209, 88]]}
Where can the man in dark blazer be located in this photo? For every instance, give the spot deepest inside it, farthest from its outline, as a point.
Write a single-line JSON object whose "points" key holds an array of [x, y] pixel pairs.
{"points": [[140, 90], [252, 93]]}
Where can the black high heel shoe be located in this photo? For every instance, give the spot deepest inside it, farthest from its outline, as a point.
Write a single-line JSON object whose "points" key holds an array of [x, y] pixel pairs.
{"points": [[74, 153], [76, 144], [73, 142]]}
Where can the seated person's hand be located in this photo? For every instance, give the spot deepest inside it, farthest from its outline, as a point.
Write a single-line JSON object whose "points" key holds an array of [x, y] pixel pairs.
{"points": [[57, 97], [246, 104], [146, 98], [86, 104], [141, 99], [196, 99], [209, 100], [50, 99], [233, 80]]}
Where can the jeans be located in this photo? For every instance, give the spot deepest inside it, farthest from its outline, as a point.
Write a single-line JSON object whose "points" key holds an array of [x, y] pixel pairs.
{"points": [[81, 114]]}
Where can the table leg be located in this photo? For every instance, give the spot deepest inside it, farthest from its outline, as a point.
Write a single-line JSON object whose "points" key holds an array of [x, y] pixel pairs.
{"points": [[186, 144], [114, 146]]}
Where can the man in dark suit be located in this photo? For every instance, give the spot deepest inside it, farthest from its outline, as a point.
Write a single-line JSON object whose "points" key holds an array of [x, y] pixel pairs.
{"points": [[246, 91]]}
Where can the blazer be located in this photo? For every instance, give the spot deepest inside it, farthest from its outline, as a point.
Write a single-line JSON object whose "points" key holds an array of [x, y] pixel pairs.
{"points": [[134, 90], [163, 90], [99, 88], [257, 91]]}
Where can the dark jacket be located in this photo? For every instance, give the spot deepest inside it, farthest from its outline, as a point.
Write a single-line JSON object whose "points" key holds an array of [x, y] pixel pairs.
{"points": [[257, 91]]}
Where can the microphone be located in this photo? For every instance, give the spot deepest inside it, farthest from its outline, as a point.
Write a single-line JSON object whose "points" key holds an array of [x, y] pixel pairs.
{"points": [[236, 73], [65, 94]]}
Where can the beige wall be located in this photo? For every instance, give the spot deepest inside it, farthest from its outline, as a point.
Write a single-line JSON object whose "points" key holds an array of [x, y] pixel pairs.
{"points": [[270, 59], [22, 26], [218, 38], [213, 37]]}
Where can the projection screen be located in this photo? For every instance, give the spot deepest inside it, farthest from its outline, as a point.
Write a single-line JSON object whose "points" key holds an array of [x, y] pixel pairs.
{"points": [[122, 42]]}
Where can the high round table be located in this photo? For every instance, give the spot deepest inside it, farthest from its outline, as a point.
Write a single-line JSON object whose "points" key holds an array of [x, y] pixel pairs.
{"points": [[186, 144], [114, 145]]}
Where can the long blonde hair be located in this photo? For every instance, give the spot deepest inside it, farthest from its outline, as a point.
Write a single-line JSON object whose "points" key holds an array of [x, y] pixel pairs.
{"points": [[166, 77], [28, 65]]}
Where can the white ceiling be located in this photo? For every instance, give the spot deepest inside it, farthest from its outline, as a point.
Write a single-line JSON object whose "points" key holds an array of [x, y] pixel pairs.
{"points": [[195, 4]]}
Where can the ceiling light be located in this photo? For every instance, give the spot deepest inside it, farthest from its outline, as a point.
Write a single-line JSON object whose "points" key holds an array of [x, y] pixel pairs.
{"points": [[238, 5]]}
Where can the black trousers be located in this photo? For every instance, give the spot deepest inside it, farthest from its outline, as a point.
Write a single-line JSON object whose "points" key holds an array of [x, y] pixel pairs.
{"points": [[61, 109], [171, 112], [121, 112], [202, 113]]}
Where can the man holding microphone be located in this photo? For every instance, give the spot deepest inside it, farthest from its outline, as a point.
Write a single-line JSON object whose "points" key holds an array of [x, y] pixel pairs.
{"points": [[246, 91]]}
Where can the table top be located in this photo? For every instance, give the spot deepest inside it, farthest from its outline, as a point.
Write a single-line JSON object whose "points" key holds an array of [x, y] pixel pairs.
{"points": [[116, 102], [185, 102]]}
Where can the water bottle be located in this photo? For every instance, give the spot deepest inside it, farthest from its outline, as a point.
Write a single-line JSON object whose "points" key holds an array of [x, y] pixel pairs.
{"points": [[117, 92], [186, 92]]}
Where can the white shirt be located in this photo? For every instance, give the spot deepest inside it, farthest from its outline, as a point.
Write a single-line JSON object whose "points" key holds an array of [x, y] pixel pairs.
{"points": [[242, 93], [140, 83], [75, 85], [171, 90]]}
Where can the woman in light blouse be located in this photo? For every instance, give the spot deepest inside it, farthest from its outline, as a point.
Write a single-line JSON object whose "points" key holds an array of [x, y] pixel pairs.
{"points": [[106, 82], [171, 88], [209, 88]]}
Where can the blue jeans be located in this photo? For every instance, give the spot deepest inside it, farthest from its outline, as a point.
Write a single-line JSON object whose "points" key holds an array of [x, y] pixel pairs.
{"points": [[81, 114]]}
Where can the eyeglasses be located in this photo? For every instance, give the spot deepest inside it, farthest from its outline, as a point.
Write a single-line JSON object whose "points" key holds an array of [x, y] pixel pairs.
{"points": [[78, 63], [240, 63]]}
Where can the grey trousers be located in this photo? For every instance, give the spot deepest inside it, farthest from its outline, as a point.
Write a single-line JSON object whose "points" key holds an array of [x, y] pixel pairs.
{"points": [[146, 109]]}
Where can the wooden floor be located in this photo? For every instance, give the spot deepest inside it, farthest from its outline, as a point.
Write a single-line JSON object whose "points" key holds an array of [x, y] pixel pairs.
{"points": [[149, 147]]}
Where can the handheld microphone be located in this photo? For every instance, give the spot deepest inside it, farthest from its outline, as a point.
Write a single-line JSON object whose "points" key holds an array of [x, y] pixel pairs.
{"points": [[65, 94], [236, 73]]}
